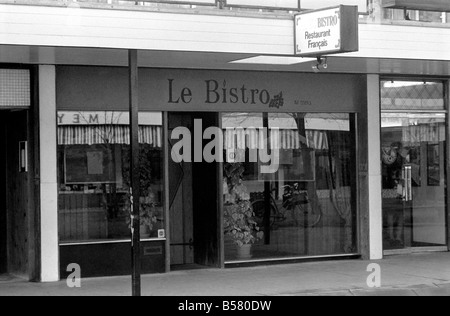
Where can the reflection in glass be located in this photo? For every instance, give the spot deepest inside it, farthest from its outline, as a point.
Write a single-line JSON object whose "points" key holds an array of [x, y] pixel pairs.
{"points": [[415, 15], [434, 164], [94, 175], [413, 177], [412, 95], [307, 207]]}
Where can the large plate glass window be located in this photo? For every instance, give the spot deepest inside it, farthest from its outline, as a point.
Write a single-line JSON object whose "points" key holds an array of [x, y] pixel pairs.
{"points": [[301, 201], [94, 175]]}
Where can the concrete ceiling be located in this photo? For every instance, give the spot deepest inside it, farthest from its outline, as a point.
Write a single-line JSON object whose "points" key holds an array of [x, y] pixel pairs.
{"points": [[222, 61]]}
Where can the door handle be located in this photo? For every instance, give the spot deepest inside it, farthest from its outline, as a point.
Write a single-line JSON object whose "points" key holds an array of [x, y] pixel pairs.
{"points": [[407, 183]]}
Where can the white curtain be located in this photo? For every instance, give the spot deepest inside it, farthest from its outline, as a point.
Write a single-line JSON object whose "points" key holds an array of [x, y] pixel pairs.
{"points": [[107, 134], [279, 139], [417, 134]]}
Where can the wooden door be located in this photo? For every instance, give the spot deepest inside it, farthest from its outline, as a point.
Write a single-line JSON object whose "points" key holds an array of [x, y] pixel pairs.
{"points": [[3, 226], [18, 196]]}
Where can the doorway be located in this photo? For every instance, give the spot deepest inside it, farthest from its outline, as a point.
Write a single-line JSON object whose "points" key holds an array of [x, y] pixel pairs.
{"points": [[414, 181], [193, 196], [3, 217]]}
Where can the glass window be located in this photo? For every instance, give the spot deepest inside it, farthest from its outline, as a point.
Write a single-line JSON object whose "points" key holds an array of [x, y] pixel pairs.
{"points": [[94, 175], [415, 15], [306, 204]]}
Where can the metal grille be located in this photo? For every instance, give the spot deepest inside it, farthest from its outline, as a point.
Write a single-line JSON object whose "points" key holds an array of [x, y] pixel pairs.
{"points": [[410, 95], [14, 88]]}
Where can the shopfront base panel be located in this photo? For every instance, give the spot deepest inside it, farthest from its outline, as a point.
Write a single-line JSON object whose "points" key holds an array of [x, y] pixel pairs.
{"points": [[111, 259]]}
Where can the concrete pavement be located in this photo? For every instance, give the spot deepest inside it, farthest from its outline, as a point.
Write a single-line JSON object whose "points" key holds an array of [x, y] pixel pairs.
{"points": [[409, 275]]}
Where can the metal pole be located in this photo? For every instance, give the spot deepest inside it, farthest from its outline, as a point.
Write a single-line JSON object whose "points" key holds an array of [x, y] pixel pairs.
{"points": [[135, 172], [267, 188]]}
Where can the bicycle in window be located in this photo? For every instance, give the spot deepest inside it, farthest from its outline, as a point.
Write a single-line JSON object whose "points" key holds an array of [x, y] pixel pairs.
{"points": [[306, 211]]}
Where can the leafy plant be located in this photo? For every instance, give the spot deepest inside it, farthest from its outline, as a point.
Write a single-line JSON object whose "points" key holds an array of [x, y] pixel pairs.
{"points": [[239, 216], [147, 208]]}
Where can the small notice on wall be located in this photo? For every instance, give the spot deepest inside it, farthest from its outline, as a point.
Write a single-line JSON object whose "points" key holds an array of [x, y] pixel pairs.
{"points": [[95, 162]]}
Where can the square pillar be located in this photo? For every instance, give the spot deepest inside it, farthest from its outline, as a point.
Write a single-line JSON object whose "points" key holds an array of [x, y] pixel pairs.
{"points": [[370, 200], [48, 171]]}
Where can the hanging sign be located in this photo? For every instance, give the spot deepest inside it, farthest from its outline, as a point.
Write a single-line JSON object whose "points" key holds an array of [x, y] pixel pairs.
{"points": [[327, 31]]}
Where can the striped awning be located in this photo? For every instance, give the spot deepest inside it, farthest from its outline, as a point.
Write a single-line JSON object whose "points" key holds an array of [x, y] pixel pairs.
{"points": [[107, 134], [279, 139]]}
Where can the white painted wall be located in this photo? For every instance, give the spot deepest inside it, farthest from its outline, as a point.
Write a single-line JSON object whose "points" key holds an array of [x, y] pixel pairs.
{"points": [[403, 42], [374, 168], [49, 181], [107, 28], [75, 27]]}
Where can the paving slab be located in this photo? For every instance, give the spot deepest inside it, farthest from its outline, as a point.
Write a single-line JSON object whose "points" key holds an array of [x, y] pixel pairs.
{"points": [[400, 275], [331, 294], [433, 291], [384, 292]]}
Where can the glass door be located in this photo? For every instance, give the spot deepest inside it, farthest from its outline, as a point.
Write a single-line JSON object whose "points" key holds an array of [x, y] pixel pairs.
{"points": [[414, 180]]}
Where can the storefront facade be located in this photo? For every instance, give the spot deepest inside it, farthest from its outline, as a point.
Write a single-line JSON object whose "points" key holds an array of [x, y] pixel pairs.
{"points": [[191, 201], [360, 156]]}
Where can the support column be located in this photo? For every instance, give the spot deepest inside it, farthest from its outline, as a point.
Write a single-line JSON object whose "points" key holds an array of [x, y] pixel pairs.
{"points": [[49, 180], [375, 11], [447, 163], [135, 170], [371, 212]]}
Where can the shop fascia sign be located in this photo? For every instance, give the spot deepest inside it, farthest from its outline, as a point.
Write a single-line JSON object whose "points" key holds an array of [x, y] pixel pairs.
{"points": [[327, 31], [221, 92]]}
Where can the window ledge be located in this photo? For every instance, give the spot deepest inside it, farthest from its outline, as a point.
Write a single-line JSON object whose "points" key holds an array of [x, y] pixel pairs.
{"points": [[408, 23], [88, 243]]}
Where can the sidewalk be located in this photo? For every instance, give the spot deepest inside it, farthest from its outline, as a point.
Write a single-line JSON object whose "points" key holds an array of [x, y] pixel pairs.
{"points": [[411, 275]]}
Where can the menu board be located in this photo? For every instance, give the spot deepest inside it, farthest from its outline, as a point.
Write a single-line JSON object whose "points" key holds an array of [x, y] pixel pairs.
{"points": [[84, 165]]}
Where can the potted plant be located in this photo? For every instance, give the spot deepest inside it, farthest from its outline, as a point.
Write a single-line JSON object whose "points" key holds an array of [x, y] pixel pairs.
{"points": [[239, 223], [147, 211], [147, 201]]}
